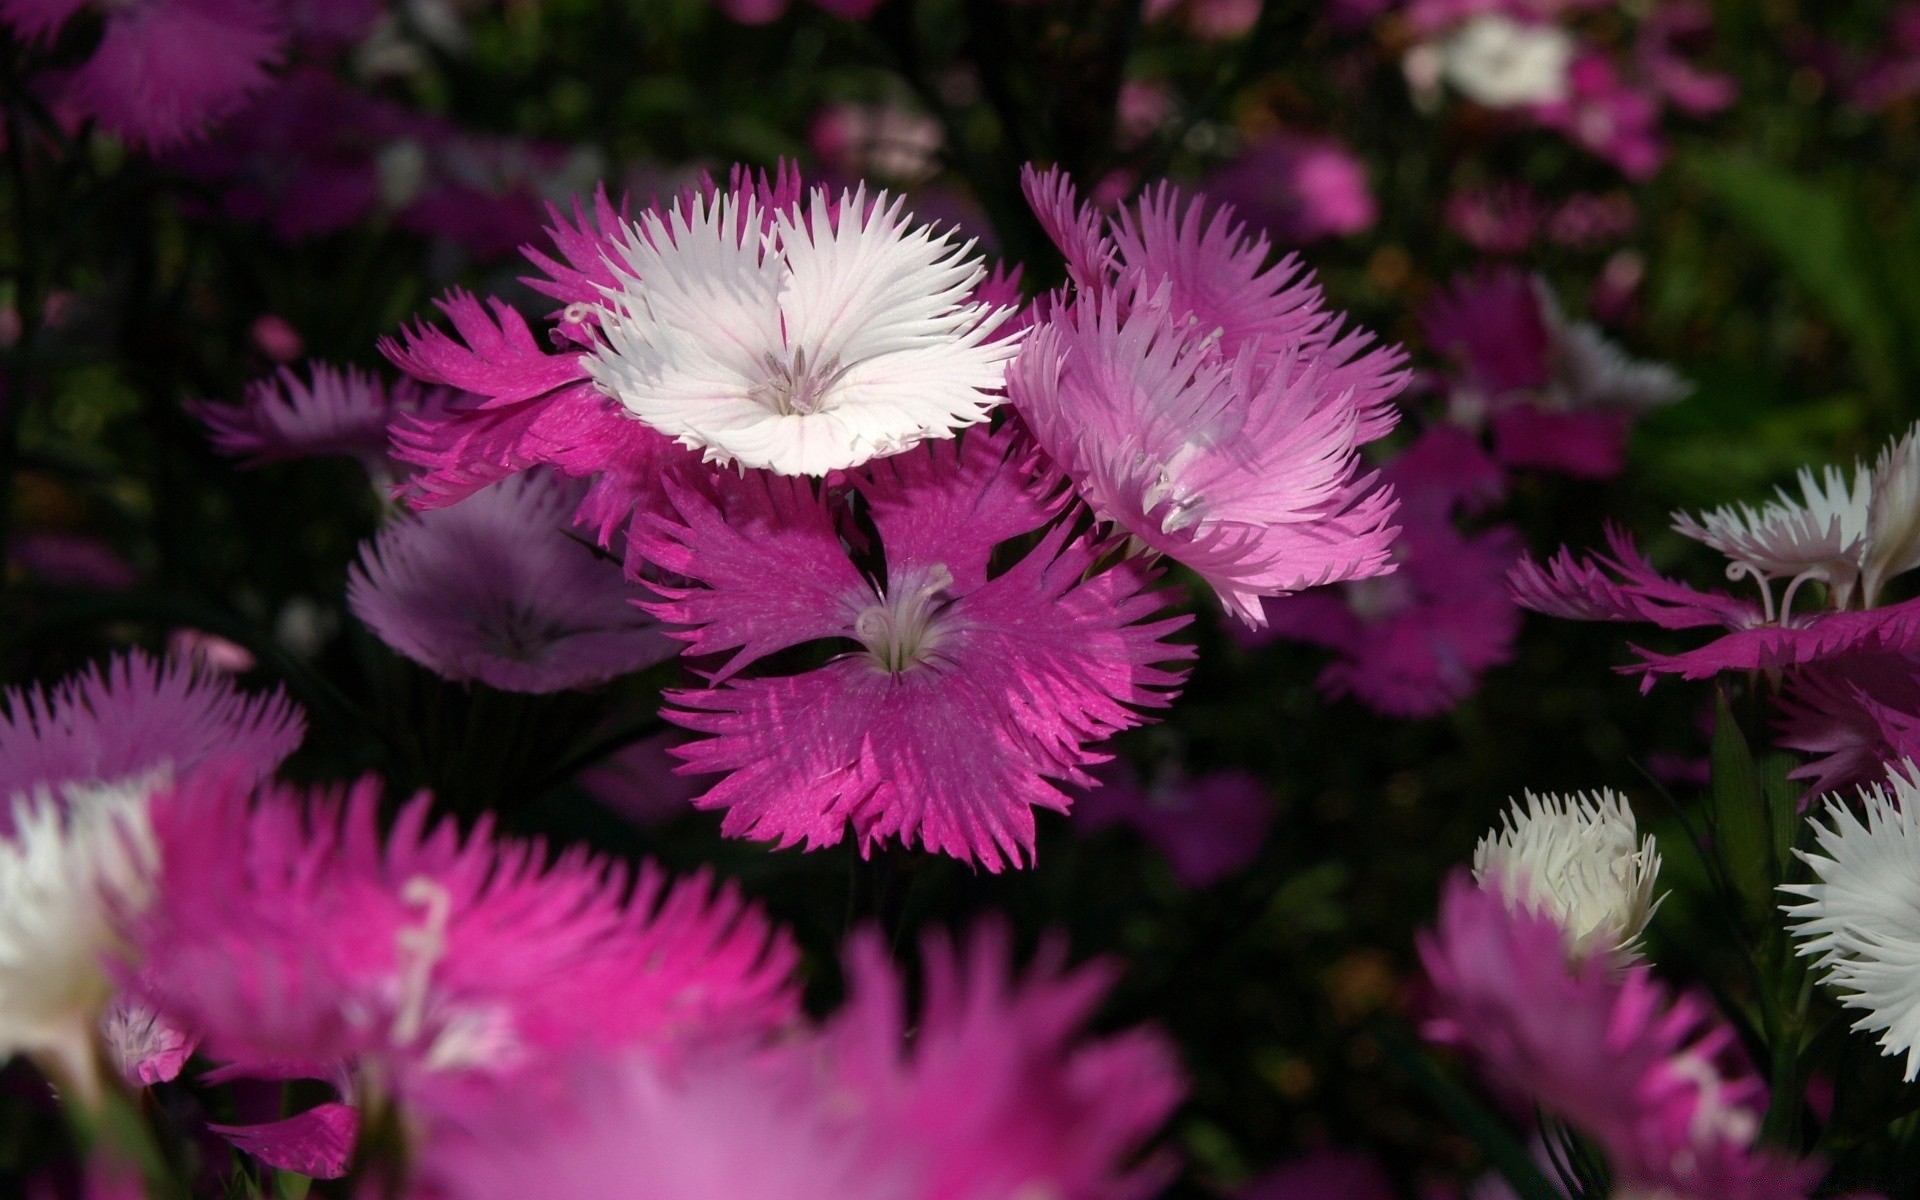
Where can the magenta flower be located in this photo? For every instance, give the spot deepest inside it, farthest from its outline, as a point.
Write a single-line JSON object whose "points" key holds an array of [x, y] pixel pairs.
{"points": [[969, 693], [331, 412], [1657, 1080], [1504, 218], [639, 782], [1300, 189], [1416, 643], [164, 69], [1856, 716], [1662, 56], [1614, 119], [137, 718], [497, 590], [1205, 404], [297, 940], [1209, 826], [317, 1143]]}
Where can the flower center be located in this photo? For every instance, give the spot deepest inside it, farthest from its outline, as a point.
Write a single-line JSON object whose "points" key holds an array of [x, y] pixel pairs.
{"points": [[904, 629], [793, 387]]}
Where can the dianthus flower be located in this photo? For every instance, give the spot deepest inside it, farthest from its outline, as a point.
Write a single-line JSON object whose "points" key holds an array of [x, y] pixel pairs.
{"points": [[968, 693], [164, 69], [138, 719], [1856, 918], [1205, 403], [1855, 716], [1579, 859], [1417, 642], [496, 589], [330, 412], [1558, 394], [297, 940], [1301, 189], [1852, 538], [994, 1092], [1656, 1080], [1209, 826]]}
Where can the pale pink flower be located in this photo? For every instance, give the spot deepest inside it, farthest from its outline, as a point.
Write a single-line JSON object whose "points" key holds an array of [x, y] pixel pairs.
{"points": [[164, 69], [1206, 404], [139, 718], [296, 938], [969, 694], [499, 590]]}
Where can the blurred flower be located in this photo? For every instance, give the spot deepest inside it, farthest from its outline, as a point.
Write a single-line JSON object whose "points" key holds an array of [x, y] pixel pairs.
{"points": [[1209, 826], [68, 870], [1323, 1175], [1579, 860], [1856, 716], [1660, 55], [1205, 403], [317, 1143], [969, 693], [331, 412], [1504, 63], [760, 12], [1601, 110], [210, 651], [163, 69], [639, 782], [887, 140], [1857, 915], [1209, 20], [1895, 73], [1658, 1081], [1587, 220], [1415, 643], [72, 560], [277, 338], [497, 589], [1299, 189], [1142, 110], [138, 719], [809, 365], [298, 940], [1504, 218], [144, 1048]]}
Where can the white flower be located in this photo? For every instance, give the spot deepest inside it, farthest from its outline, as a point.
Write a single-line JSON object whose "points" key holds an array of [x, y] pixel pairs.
{"points": [[1504, 63], [1589, 371], [1893, 522], [1859, 917], [803, 341], [68, 873], [1577, 858]]}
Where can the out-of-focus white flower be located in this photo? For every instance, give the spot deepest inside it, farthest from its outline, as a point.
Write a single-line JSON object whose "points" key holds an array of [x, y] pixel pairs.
{"points": [[803, 340], [1579, 859], [1858, 915], [1504, 63], [68, 873], [1590, 371]]}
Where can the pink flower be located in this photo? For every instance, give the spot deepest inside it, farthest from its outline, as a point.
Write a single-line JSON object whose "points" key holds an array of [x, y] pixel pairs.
{"points": [[297, 940], [1657, 1080], [277, 338], [1416, 643], [1491, 325], [164, 69], [969, 693], [1504, 218], [1205, 403], [331, 412], [640, 783], [497, 589], [1895, 73], [1301, 189], [135, 717], [1856, 716], [144, 1047], [1660, 53], [1209, 826], [1616, 120]]}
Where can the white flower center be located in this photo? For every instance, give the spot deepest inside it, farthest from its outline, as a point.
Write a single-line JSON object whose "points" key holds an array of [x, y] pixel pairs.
{"points": [[792, 387], [904, 630]]}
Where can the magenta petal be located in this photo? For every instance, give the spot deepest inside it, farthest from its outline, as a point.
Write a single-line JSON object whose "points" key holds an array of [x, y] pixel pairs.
{"points": [[317, 1143], [1587, 445]]}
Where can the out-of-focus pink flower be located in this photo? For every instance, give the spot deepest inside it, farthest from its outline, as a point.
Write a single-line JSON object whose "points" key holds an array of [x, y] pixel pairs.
{"points": [[1657, 1080], [1587, 220], [1205, 403], [1143, 109], [1504, 218], [1210, 20], [296, 939], [164, 69], [1416, 643], [1617, 120], [1351, 15], [497, 589], [1209, 826], [640, 783], [885, 140], [211, 651], [1586, 445], [277, 338], [317, 1143], [134, 718], [1855, 716], [1299, 189], [72, 560], [970, 694], [1668, 33], [330, 412], [1492, 326], [1895, 73], [1323, 1175]]}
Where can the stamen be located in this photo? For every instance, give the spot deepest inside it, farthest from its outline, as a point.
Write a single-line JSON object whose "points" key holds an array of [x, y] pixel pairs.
{"points": [[1739, 569], [901, 632], [419, 948], [793, 388], [1786, 601]]}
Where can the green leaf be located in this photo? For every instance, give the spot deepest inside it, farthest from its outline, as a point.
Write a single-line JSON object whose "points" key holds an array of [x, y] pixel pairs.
{"points": [[1742, 828], [1472, 1118], [290, 1186]]}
